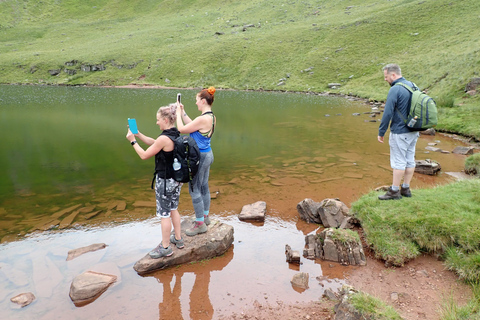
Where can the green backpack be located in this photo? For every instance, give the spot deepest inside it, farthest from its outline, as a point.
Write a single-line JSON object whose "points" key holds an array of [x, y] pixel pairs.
{"points": [[423, 110]]}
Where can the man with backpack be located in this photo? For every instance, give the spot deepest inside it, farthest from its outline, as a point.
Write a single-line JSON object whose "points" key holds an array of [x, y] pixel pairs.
{"points": [[402, 140]]}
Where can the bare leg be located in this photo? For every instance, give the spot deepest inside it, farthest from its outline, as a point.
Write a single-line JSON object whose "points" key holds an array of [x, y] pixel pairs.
{"points": [[397, 177], [175, 215], [166, 228], [408, 175]]}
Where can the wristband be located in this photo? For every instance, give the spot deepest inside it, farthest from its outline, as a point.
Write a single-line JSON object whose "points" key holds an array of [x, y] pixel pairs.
{"points": [[133, 142]]}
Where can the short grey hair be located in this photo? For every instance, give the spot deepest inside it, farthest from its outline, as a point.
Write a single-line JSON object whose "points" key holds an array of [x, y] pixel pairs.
{"points": [[393, 68]]}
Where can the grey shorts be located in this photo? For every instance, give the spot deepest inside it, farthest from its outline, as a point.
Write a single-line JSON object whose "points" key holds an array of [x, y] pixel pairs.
{"points": [[167, 198], [402, 150]]}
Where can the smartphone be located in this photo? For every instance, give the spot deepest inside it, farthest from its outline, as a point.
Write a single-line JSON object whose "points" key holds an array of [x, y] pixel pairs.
{"points": [[179, 97], [132, 124]]}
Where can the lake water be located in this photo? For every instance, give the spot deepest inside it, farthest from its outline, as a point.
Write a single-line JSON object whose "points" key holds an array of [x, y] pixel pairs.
{"points": [[65, 147]]}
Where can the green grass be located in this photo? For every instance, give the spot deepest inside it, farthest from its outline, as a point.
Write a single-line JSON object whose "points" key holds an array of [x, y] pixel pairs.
{"points": [[372, 308], [472, 164], [196, 43], [444, 220]]}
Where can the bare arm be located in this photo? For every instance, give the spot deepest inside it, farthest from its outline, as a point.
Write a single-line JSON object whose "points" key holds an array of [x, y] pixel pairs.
{"points": [[147, 140], [190, 125], [151, 151]]}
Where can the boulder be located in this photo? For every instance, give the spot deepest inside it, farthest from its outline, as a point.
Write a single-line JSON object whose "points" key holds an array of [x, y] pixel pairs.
{"points": [[214, 242], [253, 212], [339, 245], [88, 286], [463, 150], [72, 254], [332, 212], [292, 256], [428, 132], [329, 212], [23, 299], [307, 209], [427, 166]]}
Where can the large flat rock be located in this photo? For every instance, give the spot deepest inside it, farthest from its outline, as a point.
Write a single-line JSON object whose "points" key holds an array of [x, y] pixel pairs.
{"points": [[214, 242]]}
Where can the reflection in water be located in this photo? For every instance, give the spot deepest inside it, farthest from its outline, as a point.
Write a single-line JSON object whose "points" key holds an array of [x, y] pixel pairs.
{"points": [[200, 306]]}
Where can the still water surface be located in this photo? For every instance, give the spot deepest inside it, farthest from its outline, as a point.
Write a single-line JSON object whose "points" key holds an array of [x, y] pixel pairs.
{"points": [[66, 146]]}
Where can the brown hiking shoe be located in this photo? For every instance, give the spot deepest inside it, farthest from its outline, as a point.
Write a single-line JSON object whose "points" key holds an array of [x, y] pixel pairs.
{"points": [[391, 195], [405, 192]]}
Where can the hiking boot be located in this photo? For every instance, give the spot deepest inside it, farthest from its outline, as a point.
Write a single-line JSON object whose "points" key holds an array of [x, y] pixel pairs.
{"points": [[160, 252], [179, 243], [196, 229], [391, 195], [405, 192], [206, 220]]}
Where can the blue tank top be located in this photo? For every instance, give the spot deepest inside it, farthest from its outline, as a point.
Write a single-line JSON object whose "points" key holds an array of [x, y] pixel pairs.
{"points": [[203, 142]]}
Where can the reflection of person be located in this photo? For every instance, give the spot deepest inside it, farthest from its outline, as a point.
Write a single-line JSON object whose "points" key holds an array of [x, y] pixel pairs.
{"points": [[171, 308], [201, 129], [167, 190], [402, 141], [200, 305]]}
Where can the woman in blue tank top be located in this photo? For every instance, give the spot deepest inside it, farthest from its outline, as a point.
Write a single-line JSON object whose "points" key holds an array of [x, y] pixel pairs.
{"points": [[201, 129]]}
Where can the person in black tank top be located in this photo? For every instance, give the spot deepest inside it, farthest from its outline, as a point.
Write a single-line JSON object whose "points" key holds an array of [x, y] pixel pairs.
{"points": [[167, 190]]}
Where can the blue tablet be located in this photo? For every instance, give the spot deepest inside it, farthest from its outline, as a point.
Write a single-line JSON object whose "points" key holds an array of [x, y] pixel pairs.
{"points": [[132, 124]]}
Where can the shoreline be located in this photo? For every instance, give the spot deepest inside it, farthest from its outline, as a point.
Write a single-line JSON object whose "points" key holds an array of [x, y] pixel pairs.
{"points": [[468, 139]]}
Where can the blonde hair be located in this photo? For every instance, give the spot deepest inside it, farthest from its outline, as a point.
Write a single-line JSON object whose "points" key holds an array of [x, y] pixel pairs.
{"points": [[169, 112]]}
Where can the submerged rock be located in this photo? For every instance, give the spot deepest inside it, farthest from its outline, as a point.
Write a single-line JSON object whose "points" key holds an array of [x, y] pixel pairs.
{"points": [[72, 254], [214, 242], [23, 299]]}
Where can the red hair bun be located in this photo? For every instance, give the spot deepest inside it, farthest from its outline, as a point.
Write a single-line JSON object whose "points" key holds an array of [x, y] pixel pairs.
{"points": [[211, 90]]}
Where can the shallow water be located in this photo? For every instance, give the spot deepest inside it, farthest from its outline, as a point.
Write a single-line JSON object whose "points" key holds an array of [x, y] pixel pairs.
{"points": [[66, 147]]}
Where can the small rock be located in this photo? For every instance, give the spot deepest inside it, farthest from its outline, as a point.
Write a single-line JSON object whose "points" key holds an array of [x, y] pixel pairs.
{"points": [[23, 299], [253, 212], [300, 280], [88, 286]]}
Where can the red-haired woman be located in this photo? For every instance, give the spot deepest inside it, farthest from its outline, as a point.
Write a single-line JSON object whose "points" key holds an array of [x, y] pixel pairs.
{"points": [[201, 129]]}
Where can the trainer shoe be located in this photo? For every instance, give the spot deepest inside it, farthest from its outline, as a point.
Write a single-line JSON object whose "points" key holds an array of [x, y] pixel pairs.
{"points": [[405, 192], [196, 229], [160, 252], [391, 195], [206, 220], [179, 243]]}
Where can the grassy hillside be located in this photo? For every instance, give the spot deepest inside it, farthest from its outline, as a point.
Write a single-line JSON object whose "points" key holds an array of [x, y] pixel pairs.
{"points": [[249, 45]]}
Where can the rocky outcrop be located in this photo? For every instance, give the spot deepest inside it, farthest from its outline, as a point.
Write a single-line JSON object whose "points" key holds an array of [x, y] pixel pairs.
{"points": [[253, 212], [329, 212], [23, 299], [214, 242], [338, 245], [344, 310], [88, 286], [72, 254], [427, 166]]}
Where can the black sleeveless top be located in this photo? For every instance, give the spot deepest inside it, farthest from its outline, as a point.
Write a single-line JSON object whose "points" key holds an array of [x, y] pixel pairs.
{"points": [[164, 159]]}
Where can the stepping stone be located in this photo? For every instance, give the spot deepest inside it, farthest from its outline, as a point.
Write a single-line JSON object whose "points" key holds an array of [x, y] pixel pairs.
{"points": [[210, 244]]}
